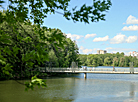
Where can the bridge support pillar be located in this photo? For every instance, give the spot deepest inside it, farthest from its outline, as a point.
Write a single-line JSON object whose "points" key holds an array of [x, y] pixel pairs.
{"points": [[85, 75]]}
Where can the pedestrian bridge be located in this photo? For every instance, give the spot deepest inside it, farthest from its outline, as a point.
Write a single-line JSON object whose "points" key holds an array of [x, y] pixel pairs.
{"points": [[90, 70]]}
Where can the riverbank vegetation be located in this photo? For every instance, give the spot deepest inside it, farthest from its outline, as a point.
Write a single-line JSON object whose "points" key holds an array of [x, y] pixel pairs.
{"points": [[23, 51], [108, 59], [26, 44]]}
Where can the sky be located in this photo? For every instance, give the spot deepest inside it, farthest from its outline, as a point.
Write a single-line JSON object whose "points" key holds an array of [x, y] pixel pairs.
{"points": [[119, 33]]}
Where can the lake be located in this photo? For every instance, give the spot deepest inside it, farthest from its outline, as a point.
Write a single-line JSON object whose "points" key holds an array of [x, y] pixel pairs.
{"points": [[74, 88]]}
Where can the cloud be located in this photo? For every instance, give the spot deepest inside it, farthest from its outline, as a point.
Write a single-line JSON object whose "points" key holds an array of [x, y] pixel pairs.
{"points": [[88, 51], [131, 20], [120, 38], [89, 35], [115, 50], [131, 39], [119, 49], [130, 28], [101, 39], [84, 50], [74, 36]]}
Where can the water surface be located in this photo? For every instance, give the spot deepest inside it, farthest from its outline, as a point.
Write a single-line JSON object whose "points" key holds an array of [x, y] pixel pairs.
{"points": [[74, 88]]}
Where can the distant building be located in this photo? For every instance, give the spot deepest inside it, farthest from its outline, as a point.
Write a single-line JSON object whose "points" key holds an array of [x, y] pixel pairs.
{"points": [[134, 54], [101, 51]]}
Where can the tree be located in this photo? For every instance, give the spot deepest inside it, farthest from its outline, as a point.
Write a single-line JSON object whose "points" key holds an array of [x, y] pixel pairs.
{"points": [[67, 55], [26, 50], [94, 62], [83, 59], [99, 61], [115, 61], [127, 60], [122, 53], [39, 9], [135, 61], [21, 50], [122, 61], [53, 58], [107, 61], [89, 59]]}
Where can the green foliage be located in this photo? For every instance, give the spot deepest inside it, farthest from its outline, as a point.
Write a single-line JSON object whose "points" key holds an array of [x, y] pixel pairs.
{"points": [[115, 61], [25, 43], [68, 54], [37, 10], [122, 61], [92, 60], [35, 81], [107, 59], [25, 49], [83, 59]]}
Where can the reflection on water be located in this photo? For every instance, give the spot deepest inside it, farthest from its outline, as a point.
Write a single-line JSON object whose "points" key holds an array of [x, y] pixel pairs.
{"points": [[96, 88]]}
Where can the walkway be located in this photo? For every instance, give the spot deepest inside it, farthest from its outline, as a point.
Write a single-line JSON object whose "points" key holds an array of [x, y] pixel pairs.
{"points": [[89, 70]]}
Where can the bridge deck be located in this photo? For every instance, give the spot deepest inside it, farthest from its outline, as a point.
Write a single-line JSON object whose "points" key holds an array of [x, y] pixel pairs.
{"points": [[95, 72]]}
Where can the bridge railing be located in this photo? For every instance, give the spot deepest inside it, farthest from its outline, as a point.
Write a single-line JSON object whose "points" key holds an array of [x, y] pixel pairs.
{"points": [[42, 69], [111, 69]]}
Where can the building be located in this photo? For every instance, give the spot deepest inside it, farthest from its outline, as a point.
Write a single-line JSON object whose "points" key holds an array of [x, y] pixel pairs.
{"points": [[101, 51], [134, 54]]}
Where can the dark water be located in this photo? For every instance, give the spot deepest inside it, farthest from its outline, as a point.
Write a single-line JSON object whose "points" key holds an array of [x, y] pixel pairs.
{"points": [[74, 88]]}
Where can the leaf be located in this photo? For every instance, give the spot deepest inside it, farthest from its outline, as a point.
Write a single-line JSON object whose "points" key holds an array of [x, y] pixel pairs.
{"points": [[35, 81], [1, 1]]}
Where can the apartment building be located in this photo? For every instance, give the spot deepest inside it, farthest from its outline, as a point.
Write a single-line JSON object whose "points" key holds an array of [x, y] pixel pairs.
{"points": [[134, 54], [101, 51]]}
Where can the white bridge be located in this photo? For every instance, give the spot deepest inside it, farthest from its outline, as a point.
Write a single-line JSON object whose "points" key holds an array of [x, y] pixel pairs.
{"points": [[90, 70]]}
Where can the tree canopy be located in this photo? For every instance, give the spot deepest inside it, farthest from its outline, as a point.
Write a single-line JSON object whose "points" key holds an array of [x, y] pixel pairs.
{"points": [[37, 10], [25, 43], [108, 59]]}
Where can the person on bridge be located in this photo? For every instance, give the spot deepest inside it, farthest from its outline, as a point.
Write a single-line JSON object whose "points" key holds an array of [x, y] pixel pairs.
{"points": [[93, 68], [85, 68], [113, 68]]}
